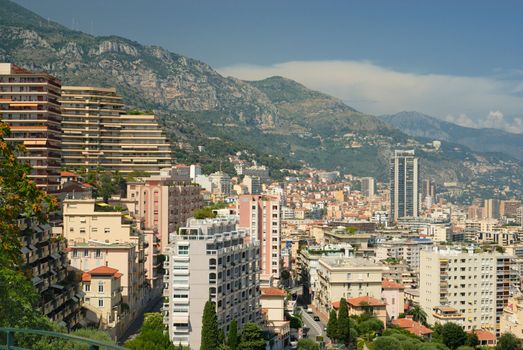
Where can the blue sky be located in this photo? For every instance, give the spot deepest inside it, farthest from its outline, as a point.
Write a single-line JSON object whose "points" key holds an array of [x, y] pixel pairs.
{"points": [[429, 42]]}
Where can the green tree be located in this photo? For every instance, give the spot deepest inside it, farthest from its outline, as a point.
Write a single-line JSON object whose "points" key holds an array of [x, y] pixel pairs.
{"points": [[204, 213], [507, 341], [152, 335], [387, 343], [465, 347], [251, 338], [308, 344], [343, 320], [453, 335], [106, 187], [153, 321], [332, 325], [232, 337], [418, 314], [209, 327], [432, 346], [472, 340], [369, 328]]}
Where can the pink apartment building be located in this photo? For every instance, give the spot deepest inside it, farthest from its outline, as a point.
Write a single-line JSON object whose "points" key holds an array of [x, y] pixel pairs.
{"points": [[261, 214], [163, 203]]}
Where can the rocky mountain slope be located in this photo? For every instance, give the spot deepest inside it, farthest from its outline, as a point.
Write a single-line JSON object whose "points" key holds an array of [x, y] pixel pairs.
{"points": [[276, 121], [480, 140]]}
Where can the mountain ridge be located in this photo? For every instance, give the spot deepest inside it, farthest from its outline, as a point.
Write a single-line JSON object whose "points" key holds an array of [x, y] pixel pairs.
{"points": [[478, 139], [276, 121]]}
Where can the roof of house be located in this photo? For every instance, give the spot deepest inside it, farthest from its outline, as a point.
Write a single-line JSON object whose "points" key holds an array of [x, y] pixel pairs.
{"points": [[388, 284], [366, 301], [273, 292], [100, 271], [484, 335], [412, 326], [67, 174]]}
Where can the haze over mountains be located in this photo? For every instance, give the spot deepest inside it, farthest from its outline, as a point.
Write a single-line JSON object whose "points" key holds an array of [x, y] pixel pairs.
{"points": [[480, 139], [277, 121]]}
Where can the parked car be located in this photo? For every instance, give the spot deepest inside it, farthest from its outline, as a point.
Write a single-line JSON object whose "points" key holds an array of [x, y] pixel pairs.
{"points": [[316, 318], [309, 310]]}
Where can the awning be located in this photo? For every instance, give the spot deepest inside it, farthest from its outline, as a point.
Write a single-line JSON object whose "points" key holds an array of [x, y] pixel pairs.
{"points": [[80, 294], [55, 256], [75, 299], [53, 272], [57, 286], [63, 324], [32, 247], [36, 280], [24, 250], [101, 204]]}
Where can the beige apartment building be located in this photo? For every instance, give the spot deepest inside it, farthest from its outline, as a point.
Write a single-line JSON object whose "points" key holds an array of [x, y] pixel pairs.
{"points": [[210, 260], [98, 134], [103, 298], [99, 234], [29, 104], [478, 285], [347, 278]]}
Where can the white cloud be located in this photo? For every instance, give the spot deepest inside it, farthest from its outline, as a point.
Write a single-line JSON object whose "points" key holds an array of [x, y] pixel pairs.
{"points": [[377, 90]]}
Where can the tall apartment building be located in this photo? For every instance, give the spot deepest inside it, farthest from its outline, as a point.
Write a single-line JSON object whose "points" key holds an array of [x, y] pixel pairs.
{"points": [[347, 278], [367, 186], [45, 259], [404, 185], [98, 133], [261, 215], [491, 208], [210, 260], [29, 104], [477, 285], [163, 203], [102, 235], [509, 208]]}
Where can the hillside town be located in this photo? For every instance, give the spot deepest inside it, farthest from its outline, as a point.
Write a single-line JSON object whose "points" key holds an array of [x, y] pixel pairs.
{"points": [[135, 232]]}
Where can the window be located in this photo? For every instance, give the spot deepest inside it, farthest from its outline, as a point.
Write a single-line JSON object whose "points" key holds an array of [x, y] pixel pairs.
{"points": [[107, 230], [183, 250], [75, 253], [98, 253], [86, 252], [94, 229], [87, 287], [82, 229], [100, 287], [100, 303]]}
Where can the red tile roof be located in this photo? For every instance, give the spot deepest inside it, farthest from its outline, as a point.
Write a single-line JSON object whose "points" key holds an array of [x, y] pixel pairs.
{"points": [[484, 335], [411, 326], [336, 305], [101, 271], [273, 292], [388, 284], [365, 300], [68, 174]]}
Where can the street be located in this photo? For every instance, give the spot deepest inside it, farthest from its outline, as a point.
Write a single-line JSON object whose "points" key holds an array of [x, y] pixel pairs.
{"points": [[154, 306], [315, 327]]}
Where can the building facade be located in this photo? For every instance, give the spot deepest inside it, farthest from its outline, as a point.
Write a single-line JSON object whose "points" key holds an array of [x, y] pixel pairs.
{"points": [[98, 134], [261, 215], [404, 185], [103, 235], [29, 104], [210, 260], [44, 258], [477, 284], [347, 278], [162, 203]]}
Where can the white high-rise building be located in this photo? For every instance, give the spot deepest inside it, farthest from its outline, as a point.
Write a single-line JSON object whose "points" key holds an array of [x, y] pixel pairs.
{"points": [[210, 259], [404, 185], [477, 285]]}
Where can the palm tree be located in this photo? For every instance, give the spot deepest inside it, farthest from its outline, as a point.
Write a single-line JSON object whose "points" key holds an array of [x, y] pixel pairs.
{"points": [[418, 314]]}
